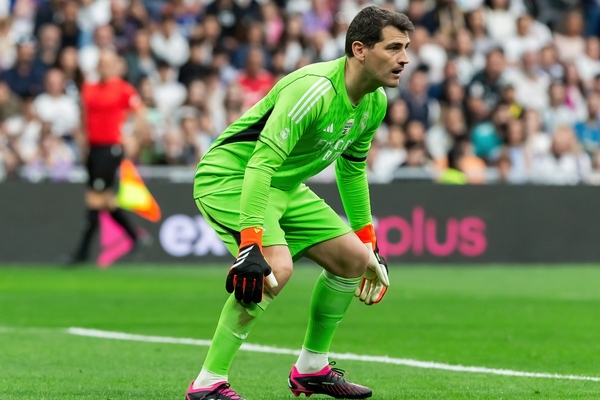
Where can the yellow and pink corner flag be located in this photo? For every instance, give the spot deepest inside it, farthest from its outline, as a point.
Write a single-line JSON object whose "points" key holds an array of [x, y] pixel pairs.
{"points": [[133, 194]]}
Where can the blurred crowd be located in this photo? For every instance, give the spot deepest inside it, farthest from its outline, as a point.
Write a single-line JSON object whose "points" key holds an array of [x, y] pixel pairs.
{"points": [[510, 86]]}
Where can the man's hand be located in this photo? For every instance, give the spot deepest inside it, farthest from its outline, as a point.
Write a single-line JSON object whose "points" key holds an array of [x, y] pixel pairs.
{"points": [[246, 275], [375, 279]]}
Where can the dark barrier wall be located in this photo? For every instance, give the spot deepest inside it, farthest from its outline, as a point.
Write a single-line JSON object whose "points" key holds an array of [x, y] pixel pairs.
{"points": [[416, 222]]}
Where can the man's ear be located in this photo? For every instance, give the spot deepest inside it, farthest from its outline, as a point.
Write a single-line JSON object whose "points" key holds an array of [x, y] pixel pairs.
{"points": [[358, 48]]}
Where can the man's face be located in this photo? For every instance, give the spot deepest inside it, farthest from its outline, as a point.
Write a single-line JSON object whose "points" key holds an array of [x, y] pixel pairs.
{"points": [[495, 65], [386, 60], [108, 65], [54, 83]]}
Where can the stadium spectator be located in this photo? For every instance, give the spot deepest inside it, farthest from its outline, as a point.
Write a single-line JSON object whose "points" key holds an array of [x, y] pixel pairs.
{"points": [[567, 164], [574, 92], [476, 23], [441, 137], [53, 155], [389, 157], [397, 113], [168, 44], [486, 85], [255, 38], [49, 45], [588, 64], [538, 142], [24, 132], [89, 55], [255, 80], [92, 15], [9, 102], [70, 33], [487, 136], [26, 77], [68, 64], [318, 18], [462, 158], [549, 63], [468, 62], [141, 62], [516, 150], [417, 98], [523, 41], [570, 44], [196, 67], [291, 42], [416, 155], [530, 82], [169, 94], [56, 108], [45, 12], [558, 113], [501, 23], [444, 21], [504, 166], [273, 24], [588, 132]]}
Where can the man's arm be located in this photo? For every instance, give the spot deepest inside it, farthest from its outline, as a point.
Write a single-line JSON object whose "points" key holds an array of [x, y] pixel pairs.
{"points": [[351, 172], [296, 107]]}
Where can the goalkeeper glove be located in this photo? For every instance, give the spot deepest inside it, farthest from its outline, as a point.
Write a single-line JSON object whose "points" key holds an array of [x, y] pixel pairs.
{"points": [[246, 275], [375, 279]]}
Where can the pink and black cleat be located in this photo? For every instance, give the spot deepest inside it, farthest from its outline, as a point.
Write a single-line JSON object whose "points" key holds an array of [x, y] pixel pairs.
{"points": [[218, 391], [328, 381]]}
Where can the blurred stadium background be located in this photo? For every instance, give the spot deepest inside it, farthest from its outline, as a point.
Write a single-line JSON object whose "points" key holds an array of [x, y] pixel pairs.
{"points": [[489, 154]]}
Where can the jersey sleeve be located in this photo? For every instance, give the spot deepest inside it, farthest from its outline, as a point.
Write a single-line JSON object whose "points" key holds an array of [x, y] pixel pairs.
{"points": [[131, 98], [351, 174], [296, 107]]}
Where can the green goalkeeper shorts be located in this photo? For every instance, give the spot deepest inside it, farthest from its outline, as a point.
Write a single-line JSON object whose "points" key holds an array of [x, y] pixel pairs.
{"points": [[297, 218]]}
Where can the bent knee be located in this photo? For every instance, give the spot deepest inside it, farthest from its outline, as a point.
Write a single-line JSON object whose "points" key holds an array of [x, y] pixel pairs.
{"points": [[355, 261], [283, 272]]}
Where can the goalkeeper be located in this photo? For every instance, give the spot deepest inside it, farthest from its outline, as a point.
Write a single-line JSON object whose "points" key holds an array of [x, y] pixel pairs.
{"points": [[249, 188]]}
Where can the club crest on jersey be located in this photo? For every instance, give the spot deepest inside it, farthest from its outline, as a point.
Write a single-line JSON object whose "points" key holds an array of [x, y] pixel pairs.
{"points": [[348, 126], [283, 134]]}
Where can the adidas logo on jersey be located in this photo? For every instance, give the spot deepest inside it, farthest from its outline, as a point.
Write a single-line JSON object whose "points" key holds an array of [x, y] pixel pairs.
{"points": [[329, 129]]}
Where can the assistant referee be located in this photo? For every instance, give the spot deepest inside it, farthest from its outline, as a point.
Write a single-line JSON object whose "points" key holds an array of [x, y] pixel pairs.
{"points": [[105, 105]]}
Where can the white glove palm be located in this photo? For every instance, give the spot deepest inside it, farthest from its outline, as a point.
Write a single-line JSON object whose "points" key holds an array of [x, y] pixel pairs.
{"points": [[375, 279]]}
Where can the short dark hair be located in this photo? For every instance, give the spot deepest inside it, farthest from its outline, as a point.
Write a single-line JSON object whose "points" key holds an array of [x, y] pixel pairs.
{"points": [[368, 25]]}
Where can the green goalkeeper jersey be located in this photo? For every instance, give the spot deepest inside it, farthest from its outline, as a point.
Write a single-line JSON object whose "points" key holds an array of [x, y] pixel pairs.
{"points": [[305, 123]]}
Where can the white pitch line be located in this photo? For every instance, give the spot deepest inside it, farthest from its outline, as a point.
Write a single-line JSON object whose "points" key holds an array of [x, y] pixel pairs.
{"points": [[340, 356]]}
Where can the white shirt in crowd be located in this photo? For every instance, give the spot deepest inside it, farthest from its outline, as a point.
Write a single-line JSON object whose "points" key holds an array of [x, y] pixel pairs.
{"points": [[388, 160], [438, 142], [93, 15], [555, 117], [174, 49], [61, 112], [88, 61], [531, 91], [500, 24], [569, 169], [587, 67]]}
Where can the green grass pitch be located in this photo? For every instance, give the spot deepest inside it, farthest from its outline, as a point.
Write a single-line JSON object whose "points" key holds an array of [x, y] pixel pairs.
{"points": [[532, 319]]}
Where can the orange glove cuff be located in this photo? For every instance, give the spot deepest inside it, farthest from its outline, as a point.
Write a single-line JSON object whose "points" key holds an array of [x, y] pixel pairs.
{"points": [[367, 235], [251, 236]]}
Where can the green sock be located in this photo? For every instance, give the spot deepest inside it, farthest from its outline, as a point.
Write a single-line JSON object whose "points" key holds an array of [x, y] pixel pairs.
{"points": [[330, 300], [236, 321]]}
